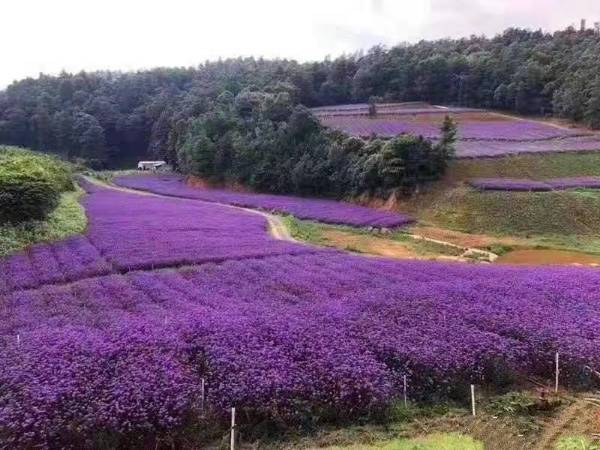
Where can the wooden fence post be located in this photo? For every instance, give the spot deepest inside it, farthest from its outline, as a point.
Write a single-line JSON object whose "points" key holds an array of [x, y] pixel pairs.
{"points": [[232, 440]]}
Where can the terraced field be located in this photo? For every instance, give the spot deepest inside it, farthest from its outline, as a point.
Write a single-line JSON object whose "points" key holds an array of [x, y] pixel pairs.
{"points": [[480, 133]]}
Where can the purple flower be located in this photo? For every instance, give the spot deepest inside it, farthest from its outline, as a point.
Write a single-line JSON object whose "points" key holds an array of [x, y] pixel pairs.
{"points": [[281, 331], [327, 211]]}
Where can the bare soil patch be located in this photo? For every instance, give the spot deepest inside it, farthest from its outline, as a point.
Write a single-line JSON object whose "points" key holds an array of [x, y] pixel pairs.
{"points": [[542, 257], [368, 244]]}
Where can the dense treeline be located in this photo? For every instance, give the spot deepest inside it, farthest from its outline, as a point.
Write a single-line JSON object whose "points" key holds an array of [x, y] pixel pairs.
{"points": [[113, 118], [264, 141]]}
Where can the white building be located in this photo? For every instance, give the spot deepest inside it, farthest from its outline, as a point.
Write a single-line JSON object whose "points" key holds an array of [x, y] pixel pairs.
{"points": [[151, 165]]}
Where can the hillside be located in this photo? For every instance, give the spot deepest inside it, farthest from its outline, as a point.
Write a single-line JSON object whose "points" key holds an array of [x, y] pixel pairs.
{"points": [[112, 119]]}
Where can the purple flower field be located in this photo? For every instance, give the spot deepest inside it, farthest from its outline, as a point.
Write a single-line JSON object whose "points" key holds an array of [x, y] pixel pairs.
{"points": [[362, 109], [294, 332], [508, 184], [129, 231], [328, 211], [480, 134], [501, 130]]}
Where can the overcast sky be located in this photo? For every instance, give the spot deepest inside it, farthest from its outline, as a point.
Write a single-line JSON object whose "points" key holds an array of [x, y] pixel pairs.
{"points": [[51, 35]]}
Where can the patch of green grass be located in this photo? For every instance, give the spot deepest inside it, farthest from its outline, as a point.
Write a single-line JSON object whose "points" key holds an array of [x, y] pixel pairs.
{"points": [[500, 249], [438, 441], [304, 230], [532, 166], [524, 214], [108, 175], [68, 218], [424, 247]]}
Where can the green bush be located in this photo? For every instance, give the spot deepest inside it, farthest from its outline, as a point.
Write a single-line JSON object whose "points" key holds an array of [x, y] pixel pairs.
{"points": [[30, 184]]}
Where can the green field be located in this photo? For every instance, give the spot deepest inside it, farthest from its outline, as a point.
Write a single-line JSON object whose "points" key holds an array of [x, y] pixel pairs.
{"points": [[531, 166]]}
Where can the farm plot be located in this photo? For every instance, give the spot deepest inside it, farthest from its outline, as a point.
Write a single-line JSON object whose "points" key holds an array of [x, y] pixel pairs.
{"points": [[480, 126], [327, 211], [291, 334], [128, 231], [386, 108], [480, 133], [286, 337], [508, 184], [471, 126]]}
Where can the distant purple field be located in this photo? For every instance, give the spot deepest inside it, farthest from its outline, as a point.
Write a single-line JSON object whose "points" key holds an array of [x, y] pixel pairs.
{"points": [[362, 109], [280, 331], [477, 137], [328, 211], [509, 184], [501, 130]]}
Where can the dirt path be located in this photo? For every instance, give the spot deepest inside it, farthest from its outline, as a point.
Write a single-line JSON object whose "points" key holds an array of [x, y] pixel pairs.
{"points": [[373, 245], [468, 252], [579, 419], [277, 228], [379, 245]]}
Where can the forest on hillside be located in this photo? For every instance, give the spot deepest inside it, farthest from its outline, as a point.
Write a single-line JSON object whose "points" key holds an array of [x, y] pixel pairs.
{"points": [[111, 119]]}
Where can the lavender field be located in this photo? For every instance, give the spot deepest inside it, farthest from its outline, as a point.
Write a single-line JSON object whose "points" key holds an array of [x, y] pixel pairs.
{"points": [[177, 291], [327, 211], [480, 133], [501, 130]]}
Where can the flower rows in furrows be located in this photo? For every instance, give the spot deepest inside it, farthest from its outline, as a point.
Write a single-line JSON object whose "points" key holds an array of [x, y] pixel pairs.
{"points": [[328, 211], [282, 337], [503, 130], [129, 231], [510, 184]]}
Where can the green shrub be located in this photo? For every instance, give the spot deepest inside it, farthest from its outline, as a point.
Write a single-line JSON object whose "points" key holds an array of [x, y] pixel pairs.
{"points": [[523, 404], [26, 198], [19, 160], [30, 184]]}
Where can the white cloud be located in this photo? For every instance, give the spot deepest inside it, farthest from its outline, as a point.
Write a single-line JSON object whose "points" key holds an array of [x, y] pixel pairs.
{"points": [[48, 36]]}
